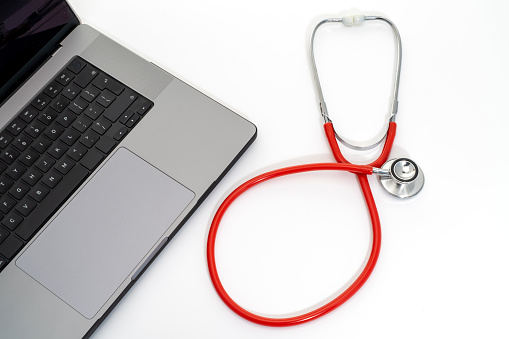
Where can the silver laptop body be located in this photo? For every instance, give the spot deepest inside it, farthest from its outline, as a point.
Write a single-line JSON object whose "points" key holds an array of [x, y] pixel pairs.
{"points": [[72, 273]]}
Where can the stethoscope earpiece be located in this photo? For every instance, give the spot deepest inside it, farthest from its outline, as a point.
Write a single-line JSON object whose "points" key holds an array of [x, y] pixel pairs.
{"points": [[401, 178]]}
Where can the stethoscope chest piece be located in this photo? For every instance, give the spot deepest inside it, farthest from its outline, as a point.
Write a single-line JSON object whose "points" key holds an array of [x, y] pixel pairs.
{"points": [[405, 178]]}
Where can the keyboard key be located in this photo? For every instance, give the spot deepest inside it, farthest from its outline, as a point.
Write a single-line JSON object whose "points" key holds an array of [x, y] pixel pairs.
{"points": [[5, 183], [64, 165], [92, 159], [18, 190], [5, 139], [31, 176], [26, 206], [115, 87], [12, 220], [101, 126], [94, 111], [38, 193], [54, 131], [28, 114], [47, 117], [71, 91], [144, 106], [45, 163], [41, 144], [82, 123], [121, 132], [16, 171], [65, 77], [106, 98], [10, 247], [103, 81], [126, 116], [84, 78], [9, 155], [6, 203], [53, 89], [66, 118], [70, 136], [78, 106], [89, 138], [41, 101], [76, 65], [29, 157], [77, 151], [132, 121], [16, 127], [51, 179], [35, 129], [59, 104], [57, 150], [22, 142], [105, 145], [90, 93]]}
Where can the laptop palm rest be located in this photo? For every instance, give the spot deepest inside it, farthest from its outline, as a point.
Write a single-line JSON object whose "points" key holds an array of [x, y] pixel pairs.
{"points": [[106, 230]]}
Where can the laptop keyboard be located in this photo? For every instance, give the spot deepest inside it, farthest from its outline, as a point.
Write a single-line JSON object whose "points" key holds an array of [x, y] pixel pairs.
{"points": [[55, 143]]}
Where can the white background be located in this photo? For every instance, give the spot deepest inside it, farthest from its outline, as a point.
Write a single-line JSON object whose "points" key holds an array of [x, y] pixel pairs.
{"points": [[297, 242]]}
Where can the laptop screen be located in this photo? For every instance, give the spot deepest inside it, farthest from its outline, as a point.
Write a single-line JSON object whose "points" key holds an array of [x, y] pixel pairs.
{"points": [[30, 31]]}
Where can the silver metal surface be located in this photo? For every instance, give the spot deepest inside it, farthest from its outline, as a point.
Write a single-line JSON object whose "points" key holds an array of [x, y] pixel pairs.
{"points": [[395, 91], [404, 170], [383, 172], [405, 178], [143, 76]]}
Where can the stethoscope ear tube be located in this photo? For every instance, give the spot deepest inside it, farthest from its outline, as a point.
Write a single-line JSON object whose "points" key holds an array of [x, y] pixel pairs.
{"points": [[354, 21]]}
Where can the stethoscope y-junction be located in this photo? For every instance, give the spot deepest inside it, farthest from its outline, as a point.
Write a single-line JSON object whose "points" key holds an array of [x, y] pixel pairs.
{"points": [[400, 177]]}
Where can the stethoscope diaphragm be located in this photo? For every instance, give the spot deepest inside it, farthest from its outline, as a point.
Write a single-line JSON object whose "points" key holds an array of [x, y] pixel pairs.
{"points": [[405, 178]]}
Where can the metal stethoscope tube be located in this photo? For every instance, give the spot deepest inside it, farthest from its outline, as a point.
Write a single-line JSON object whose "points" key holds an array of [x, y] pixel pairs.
{"points": [[351, 21]]}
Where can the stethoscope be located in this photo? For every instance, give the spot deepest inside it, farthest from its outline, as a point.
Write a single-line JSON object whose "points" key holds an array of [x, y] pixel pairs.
{"points": [[400, 177]]}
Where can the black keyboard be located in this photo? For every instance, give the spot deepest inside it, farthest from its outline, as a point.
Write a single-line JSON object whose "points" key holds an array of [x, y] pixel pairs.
{"points": [[55, 143]]}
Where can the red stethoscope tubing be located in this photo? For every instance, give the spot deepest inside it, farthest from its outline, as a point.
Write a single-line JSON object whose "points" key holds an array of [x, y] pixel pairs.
{"points": [[343, 165]]}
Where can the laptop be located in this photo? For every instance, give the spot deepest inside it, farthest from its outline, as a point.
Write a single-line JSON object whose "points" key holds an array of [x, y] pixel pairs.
{"points": [[103, 158]]}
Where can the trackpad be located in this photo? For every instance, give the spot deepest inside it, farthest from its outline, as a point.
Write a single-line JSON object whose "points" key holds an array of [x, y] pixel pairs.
{"points": [[97, 240]]}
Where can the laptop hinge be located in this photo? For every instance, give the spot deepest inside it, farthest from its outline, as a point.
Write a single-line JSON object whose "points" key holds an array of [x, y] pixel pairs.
{"points": [[57, 50]]}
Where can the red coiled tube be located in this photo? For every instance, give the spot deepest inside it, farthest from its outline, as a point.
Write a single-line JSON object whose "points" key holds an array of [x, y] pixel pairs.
{"points": [[343, 165]]}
